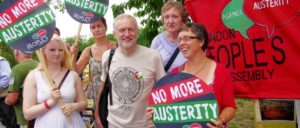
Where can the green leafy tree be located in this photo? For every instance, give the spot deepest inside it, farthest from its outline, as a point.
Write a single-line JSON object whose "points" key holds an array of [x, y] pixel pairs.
{"points": [[111, 37], [7, 53], [56, 4], [149, 12], [82, 44]]}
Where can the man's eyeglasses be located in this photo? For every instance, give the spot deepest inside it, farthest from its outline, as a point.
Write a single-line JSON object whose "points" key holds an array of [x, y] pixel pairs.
{"points": [[186, 38]]}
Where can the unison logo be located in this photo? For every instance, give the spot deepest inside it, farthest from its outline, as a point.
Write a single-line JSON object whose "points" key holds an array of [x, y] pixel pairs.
{"points": [[39, 38]]}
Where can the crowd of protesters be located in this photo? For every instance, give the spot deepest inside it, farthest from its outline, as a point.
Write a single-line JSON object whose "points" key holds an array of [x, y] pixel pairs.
{"points": [[55, 97]]}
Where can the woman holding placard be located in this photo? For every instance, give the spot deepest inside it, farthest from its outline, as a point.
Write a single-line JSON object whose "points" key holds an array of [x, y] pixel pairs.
{"points": [[41, 100], [193, 40], [92, 55]]}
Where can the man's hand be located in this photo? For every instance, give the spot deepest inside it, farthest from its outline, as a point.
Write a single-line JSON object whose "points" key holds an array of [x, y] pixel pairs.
{"points": [[11, 98]]}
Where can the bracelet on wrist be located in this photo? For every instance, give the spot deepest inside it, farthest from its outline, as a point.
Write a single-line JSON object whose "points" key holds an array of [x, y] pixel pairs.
{"points": [[46, 104]]}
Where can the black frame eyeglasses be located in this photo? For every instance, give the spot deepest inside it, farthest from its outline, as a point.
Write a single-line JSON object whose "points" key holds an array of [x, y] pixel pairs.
{"points": [[186, 38]]}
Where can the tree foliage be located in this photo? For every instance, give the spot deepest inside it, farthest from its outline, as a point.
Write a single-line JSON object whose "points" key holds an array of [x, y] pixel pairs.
{"points": [[7, 53], [149, 12], [82, 44]]}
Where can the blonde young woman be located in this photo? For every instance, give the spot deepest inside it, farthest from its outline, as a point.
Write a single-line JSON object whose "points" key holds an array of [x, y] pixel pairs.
{"points": [[41, 100]]}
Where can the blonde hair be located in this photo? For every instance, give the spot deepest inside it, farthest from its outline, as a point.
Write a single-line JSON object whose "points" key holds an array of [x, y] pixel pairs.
{"points": [[67, 61], [173, 4]]}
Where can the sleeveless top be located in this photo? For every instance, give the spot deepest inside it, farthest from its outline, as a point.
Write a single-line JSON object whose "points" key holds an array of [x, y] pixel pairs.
{"points": [[95, 70], [54, 117]]}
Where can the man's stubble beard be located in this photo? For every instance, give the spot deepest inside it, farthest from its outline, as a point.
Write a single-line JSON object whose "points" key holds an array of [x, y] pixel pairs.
{"points": [[128, 44]]}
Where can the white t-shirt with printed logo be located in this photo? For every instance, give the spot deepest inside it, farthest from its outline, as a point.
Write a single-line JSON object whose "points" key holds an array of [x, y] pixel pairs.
{"points": [[132, 77]]}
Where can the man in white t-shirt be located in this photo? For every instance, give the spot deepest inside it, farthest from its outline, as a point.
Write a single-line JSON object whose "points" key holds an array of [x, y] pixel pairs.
{"points": [[133, 71]]}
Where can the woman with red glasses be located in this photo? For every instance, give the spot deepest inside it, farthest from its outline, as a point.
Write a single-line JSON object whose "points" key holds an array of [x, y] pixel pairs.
{"points": [[193, 40]]}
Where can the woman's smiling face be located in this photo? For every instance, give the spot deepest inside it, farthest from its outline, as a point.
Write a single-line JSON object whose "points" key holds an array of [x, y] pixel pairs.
{"points": [[53, 52]]}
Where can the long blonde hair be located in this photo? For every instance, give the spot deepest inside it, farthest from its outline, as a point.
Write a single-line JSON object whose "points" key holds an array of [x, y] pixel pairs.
{"points": [[67, 61]]}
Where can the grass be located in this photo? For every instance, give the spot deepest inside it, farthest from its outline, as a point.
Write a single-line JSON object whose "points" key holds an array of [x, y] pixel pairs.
{"points": [[244, 117]]}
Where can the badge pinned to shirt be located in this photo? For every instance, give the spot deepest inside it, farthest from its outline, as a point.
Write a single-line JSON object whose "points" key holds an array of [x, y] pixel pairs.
{"points": [[11, 81], [138, 75]]}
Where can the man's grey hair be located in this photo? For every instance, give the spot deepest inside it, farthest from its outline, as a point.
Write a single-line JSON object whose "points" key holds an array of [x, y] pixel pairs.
{"points": [[124, 16]]}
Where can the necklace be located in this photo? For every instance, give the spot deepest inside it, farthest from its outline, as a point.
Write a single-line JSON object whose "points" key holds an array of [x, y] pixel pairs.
{"points": [[197, 70], [56, 75]]}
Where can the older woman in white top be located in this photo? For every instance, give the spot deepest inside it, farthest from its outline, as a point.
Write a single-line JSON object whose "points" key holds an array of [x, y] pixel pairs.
{"points": [[174, 16]]}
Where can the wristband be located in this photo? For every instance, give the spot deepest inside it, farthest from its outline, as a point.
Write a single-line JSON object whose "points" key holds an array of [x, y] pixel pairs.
{"points": [[46, 105]]}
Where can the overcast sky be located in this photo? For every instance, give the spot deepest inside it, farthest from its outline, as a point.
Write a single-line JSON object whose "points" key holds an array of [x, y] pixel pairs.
{"points": [[68, 27]]}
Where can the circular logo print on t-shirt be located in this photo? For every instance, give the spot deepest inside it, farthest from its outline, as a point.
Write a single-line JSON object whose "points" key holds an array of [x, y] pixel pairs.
{"points": [[127, 85]]}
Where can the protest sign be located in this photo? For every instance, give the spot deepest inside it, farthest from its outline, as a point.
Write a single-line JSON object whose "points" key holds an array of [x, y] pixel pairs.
{"points": [[86, 11], [182, 100], [26, 25]]}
